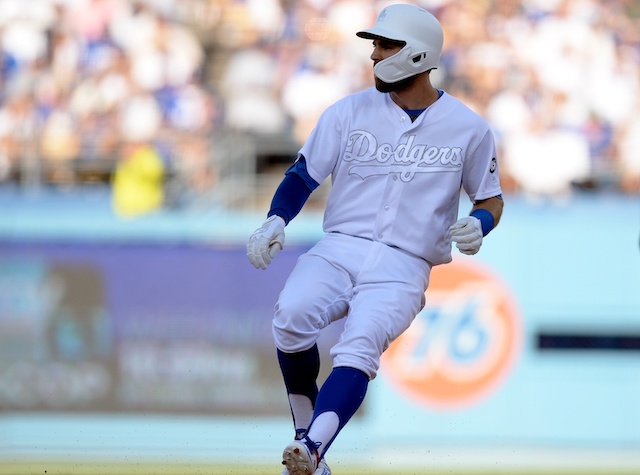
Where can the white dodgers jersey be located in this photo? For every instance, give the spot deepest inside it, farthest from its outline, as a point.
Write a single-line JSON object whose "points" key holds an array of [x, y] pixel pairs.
{"points": [[397, 181]]}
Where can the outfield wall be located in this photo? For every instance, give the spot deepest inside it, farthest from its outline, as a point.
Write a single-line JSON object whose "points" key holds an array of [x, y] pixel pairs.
{"points": [[151, 338]]}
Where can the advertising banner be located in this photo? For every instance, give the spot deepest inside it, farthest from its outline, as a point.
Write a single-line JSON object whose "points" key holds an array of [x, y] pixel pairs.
{"points": [[120, 327]]}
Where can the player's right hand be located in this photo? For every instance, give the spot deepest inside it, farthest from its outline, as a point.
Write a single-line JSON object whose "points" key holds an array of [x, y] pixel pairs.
{"points": [[266, 242]]}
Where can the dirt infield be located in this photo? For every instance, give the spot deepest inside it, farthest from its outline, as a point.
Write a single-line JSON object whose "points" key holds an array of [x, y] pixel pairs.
{"points": [[89, 468]]}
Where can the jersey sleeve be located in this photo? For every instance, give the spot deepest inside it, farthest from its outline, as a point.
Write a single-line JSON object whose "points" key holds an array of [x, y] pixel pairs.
{"points": [[293, 191], [480, 176], [322, 148]]}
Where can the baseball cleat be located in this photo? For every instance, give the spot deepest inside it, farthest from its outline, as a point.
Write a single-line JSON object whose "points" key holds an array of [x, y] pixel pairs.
{"points": [[323, 469], [300, 459]]}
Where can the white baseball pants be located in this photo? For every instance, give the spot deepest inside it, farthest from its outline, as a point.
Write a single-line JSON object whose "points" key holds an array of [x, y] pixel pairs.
{"points": [[378, 288]]}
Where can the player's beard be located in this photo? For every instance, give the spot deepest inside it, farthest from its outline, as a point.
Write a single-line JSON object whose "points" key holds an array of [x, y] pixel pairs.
{"points": [[393, 86]]}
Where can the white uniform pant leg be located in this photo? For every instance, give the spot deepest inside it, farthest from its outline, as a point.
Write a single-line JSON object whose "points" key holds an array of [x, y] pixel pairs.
{"points": [[388, 294], [315, 294]]}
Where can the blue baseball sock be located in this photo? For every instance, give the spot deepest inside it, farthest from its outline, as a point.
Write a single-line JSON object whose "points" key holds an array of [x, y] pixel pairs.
{"points": [[338, 400]]}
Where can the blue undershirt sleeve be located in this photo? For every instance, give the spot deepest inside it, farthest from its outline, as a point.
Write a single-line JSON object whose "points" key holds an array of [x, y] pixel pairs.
{"points": [[293, 191]]}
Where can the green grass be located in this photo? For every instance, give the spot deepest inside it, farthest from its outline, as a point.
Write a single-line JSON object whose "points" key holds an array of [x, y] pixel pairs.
{"points": [[94, 468]]}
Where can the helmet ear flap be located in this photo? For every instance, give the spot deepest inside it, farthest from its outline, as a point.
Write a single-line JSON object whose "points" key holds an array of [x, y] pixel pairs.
{"points": [[403, 64]]}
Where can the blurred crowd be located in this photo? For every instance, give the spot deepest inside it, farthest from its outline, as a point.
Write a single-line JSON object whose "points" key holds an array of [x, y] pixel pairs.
{"points": [[106, 81], [103, 88], [557, 79]]}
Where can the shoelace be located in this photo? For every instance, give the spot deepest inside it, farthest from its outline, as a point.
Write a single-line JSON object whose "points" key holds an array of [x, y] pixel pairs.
{"points": [[313, 447]]}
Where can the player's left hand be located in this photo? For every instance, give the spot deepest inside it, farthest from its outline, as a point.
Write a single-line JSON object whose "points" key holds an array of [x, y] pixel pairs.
{"points": [[467, 234], [266, 242]]}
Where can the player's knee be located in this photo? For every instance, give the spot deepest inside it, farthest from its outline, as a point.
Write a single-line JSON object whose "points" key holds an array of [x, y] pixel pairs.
{"points": [[292, 339], [294, 330]]}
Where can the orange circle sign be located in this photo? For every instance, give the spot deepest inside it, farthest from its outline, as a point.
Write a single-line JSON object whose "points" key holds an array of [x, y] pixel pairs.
{"points": [[462, 343]]}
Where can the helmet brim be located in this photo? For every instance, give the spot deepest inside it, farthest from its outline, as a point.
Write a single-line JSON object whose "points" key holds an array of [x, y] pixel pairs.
{"points": [[380, 33]]}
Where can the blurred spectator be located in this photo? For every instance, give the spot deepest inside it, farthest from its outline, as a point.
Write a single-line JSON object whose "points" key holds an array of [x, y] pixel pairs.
{"points": [[312, 88], [18, 126], [91, 18], [629, 152], [138, 181], [248, 87], [60, 143]]}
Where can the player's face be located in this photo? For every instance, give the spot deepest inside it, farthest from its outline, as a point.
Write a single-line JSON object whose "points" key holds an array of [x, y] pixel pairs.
{"points": [[383, 49]]}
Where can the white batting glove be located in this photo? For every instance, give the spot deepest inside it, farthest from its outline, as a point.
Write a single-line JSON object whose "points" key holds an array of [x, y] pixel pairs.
{"points": [[467, 234], [266, 242]]}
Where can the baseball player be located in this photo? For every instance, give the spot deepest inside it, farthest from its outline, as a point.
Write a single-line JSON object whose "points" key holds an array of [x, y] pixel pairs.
{"points": [[398, 155]]}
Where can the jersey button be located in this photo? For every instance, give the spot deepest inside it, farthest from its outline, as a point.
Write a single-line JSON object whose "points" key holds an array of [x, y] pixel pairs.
{"points": [[403, 118], [386, 207]]}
